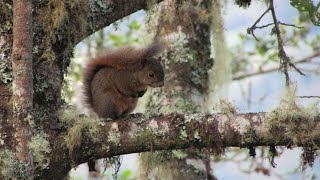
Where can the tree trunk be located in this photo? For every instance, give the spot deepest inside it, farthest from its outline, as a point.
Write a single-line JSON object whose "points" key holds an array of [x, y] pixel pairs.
{"points": [[187, 62], [57, 27]]}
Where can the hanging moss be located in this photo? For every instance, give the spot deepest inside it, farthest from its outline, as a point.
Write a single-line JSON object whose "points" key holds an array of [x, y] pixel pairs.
{"points": [[295, 123], [308, 156], [160, 160], [272, 153], [63, 22], [80, 128]]}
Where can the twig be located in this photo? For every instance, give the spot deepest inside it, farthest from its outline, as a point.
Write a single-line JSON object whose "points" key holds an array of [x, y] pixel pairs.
{"points": [[308, 96], [253, 27], [284, 59], [292, 25], [303, 60], [284, 24], [264, 26]]}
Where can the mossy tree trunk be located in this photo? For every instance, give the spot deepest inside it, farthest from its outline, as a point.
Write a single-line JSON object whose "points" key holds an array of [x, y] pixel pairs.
{"points": [[186, 24], [49, 31]]}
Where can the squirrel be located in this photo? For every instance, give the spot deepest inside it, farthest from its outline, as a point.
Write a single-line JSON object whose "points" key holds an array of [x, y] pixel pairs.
{"points": [[114, 81]]}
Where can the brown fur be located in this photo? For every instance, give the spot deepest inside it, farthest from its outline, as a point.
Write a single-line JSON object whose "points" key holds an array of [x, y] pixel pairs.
{"points": [[113, 72]]}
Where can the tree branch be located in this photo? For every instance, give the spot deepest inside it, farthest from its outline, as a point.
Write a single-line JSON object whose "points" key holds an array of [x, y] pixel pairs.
{"points": [[284, 59], [253, 27], [303, 60], [308, 96], [22, 81], [111, 11], [138, 133]]}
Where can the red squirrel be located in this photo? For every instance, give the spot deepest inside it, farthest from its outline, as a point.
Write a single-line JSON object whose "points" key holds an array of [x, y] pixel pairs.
{"points": [[114, 81]]}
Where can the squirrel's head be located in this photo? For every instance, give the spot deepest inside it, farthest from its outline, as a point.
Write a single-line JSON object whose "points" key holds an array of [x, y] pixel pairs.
{"points": [[152, 73]]}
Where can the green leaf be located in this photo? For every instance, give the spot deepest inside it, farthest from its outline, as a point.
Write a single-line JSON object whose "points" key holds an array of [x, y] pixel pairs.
{"points": [[307, 5], [134, 25], [126, 174]]}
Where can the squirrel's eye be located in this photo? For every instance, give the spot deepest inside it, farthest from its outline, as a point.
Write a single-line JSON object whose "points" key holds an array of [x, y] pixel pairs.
{"points": [[151, 74]]}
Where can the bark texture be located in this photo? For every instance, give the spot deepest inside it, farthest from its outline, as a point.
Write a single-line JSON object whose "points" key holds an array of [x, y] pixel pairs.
{"points": [[46, 35], [22, 82]]}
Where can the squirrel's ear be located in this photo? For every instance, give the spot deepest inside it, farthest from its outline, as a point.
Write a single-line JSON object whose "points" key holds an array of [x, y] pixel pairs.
{"points": [[143, 62], [159, 59]]}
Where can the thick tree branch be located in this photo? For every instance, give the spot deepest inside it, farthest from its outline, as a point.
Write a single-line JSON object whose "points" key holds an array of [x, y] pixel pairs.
{"points": [[138, 133], [102, 15]]}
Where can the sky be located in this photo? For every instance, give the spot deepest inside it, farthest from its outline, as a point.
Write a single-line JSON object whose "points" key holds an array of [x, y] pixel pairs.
{"points": [[270, 86]]}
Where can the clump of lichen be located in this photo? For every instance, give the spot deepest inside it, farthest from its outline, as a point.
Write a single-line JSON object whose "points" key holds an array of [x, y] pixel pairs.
{"points": [[291, 120], [40, 147], [226, 107], [79, 127], [10, 167]]}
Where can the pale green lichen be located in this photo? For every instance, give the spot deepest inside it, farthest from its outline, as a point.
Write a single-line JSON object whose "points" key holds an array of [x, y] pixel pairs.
{"points": [[179, 154], [5, 66], [197, 136], [10, 167], [181, 53], [183, 134], [40, 148], [197, 164]]}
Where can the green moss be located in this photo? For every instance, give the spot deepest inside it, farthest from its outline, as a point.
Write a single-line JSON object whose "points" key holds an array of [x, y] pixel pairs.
{"points": [[40, 148], [80, 128], [63, 21]]}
